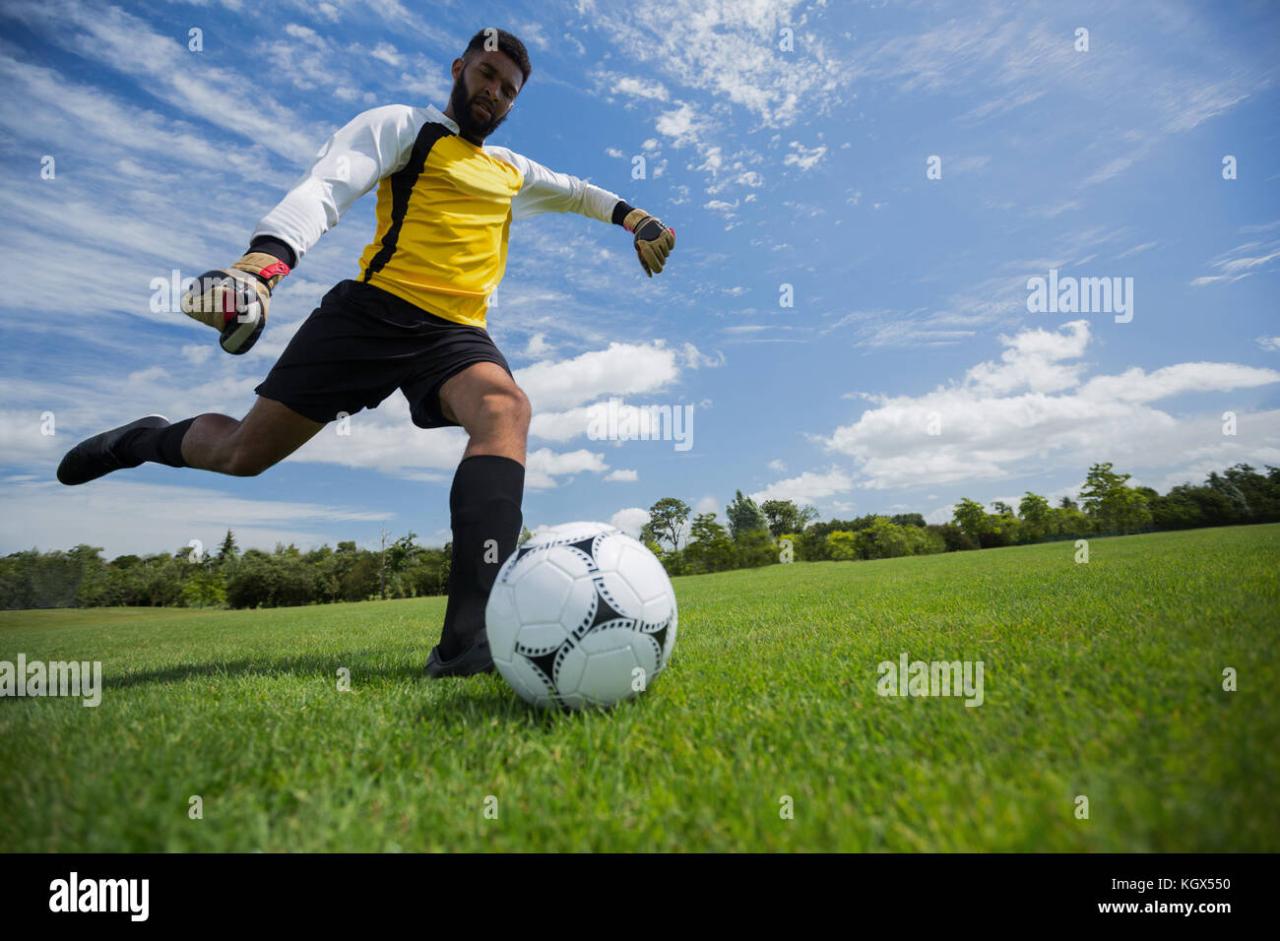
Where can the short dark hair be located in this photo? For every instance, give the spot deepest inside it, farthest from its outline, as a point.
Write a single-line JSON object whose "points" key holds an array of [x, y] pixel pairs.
{"points": [[508, 44]]}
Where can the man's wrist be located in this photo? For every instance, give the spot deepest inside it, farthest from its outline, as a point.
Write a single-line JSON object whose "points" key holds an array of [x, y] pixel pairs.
{"points": [[273, 246], [620, 212]]}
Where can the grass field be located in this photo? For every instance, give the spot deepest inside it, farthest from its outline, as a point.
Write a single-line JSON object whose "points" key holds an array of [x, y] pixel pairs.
{"points": [[1101, 679]]}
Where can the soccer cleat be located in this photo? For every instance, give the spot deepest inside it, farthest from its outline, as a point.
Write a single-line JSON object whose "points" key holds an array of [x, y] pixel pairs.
{"points": [[95, 457], [475, 659]]}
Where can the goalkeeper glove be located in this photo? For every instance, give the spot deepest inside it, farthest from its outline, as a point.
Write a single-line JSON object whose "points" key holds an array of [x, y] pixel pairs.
{"points": [[234, 301], [654, 241]]}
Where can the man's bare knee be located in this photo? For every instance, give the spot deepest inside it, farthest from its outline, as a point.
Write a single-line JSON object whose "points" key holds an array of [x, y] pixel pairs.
{"points": [[507, 410]]}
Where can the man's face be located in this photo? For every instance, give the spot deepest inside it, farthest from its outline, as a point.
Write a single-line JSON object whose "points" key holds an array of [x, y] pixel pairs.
{"points": [[485, 86]]}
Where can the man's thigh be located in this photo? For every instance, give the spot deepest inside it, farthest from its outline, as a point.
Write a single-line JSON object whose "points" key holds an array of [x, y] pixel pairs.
{"points": [[462, 360], [348, 355]]}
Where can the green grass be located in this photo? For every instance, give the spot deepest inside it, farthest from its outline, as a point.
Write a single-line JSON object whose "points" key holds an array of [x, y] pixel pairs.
{"points": [[1103, 679]]}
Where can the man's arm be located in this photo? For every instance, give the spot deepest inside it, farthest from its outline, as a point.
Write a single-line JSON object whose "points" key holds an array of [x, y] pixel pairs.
{"points": [[371, 146], [235, 300], [545, 190]]}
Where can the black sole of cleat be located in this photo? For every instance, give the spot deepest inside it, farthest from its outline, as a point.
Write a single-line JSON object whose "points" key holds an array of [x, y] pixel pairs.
{"points": [[470, 662], [93, 458]]}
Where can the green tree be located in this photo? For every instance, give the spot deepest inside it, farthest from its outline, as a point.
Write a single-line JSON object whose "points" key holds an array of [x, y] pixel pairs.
{"points": [[744, 516], [1115, 506], [709, 548], [667, 518], [1037, 516], [842, 545], [755, 548], [204, 586], [971, 518], [922, 540], [783, 516], [1070, 521], [228, 550], [953, 538], [395, 559], [1002, 530], [882, 540]]}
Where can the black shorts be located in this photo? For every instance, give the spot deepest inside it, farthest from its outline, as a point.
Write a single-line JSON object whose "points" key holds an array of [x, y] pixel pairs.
{"points": [[361, 344]]}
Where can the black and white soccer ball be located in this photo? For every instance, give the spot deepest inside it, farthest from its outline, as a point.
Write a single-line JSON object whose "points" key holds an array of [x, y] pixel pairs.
{"points": [[581, 615]]}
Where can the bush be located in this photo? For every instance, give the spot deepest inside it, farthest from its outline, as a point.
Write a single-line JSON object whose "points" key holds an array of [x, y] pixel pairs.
{"points": [[841, 546], [755, 548]]}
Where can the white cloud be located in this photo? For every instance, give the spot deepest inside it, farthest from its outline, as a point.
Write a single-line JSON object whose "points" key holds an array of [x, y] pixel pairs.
{"points": [[162, 65], [1032, 411], [544, 466], [681, 125], [630, 520], [806, 158], [538, 345], [640, 88], [731, 51], [1240, 262], [197, 353], [622, 476], [707, 504], [807, 488], [622, 369], [385, 52], [530, 31], [1034, 360], [694, 358]]}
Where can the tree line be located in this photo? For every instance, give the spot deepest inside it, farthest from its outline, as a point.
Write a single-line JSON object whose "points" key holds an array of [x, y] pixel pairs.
{"points": [[753, 535], [226, 578], [780, 530]]}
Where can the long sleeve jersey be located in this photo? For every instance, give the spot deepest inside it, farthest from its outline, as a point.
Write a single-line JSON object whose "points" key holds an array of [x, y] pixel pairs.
{"points": [[444, 209]]}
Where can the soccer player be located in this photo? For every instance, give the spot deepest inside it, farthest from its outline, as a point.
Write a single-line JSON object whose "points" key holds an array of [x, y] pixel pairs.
{"points": [[413, 320]]}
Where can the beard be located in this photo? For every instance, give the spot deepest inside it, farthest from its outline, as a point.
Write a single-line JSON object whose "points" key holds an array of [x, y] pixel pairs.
{"points": [[469, 126]]}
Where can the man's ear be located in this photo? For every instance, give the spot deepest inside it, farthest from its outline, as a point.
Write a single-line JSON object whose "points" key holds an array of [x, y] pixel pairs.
{"points": [[457, 67]]}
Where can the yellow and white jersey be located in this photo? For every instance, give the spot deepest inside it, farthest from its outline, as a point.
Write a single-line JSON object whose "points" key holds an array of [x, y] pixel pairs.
{"points": [[444, 210]]}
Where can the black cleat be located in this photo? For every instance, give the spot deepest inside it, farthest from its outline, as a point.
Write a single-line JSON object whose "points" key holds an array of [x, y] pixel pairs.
{"points": [[474, 660], [94, 457]]}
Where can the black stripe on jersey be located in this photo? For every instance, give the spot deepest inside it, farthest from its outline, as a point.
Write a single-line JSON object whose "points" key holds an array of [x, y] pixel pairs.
{"points": [[402, 183]]}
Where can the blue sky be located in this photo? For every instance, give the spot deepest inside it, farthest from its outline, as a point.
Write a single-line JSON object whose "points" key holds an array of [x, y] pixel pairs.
{"points": [[907, 373]]}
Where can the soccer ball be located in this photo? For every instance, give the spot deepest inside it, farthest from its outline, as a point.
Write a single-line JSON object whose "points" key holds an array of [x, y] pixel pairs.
{"points": [[581, 615]]}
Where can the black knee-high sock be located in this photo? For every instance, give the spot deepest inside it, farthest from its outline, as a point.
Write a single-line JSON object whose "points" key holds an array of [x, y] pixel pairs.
{"points": [[484, 505], [159, 445]]}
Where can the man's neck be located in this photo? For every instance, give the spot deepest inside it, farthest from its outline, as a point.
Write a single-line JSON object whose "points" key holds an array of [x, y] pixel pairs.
{"points": [[447, 112]]}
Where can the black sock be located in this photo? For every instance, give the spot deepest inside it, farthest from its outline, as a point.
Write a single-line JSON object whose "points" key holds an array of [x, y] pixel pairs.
{"points": [[484, 506], [158, 445]]}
